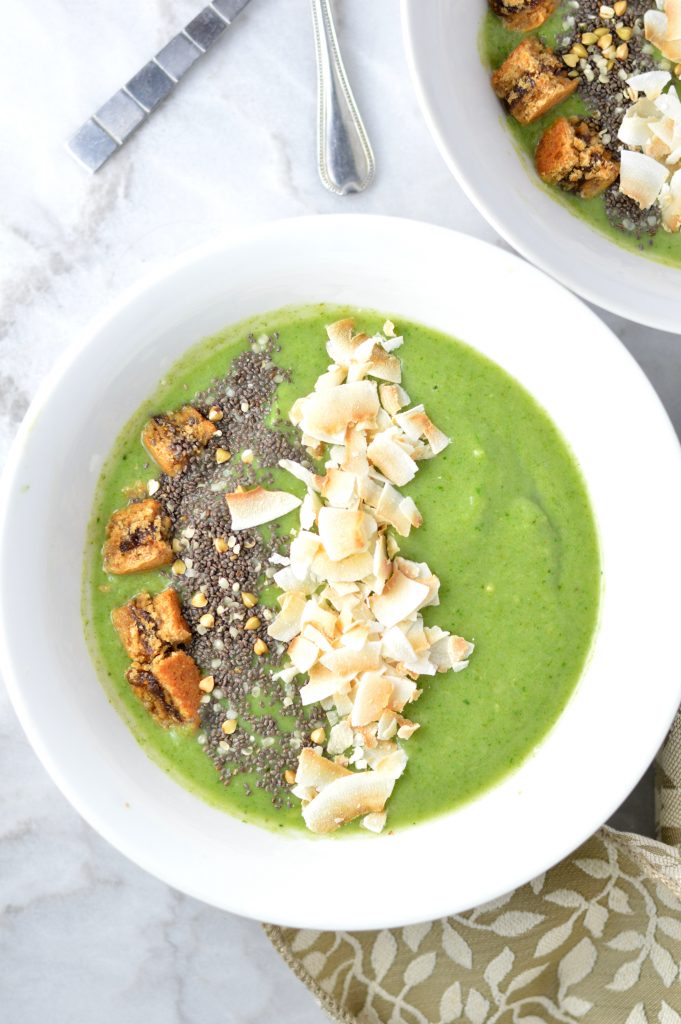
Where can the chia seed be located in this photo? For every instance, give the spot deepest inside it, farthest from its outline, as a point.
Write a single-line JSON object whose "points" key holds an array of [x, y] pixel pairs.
{"points": [[269, 713], [605, 95]]}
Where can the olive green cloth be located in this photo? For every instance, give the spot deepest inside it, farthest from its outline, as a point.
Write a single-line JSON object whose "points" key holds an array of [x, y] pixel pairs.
{"points": [[596, 940]]}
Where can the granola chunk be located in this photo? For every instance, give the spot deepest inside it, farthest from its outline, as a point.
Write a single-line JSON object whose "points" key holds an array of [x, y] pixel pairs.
{"points": [[570, 154], [137, 539], [172, 439], [149, 625], [168, 687], [523, 15], [532, 80]]}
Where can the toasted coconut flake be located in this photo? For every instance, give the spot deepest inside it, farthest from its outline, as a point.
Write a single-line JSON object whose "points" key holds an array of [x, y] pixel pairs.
{"points": [[316, 637], [374, 822], [323, 618], [301, 473], [356, 636], [407, 730], [634, 131], [316, 772], [385, 366], [303, 653], [309, 509], [344, 532], [641, 178], [347, 798], [372, 697], [387, 725], [408, 509], [392, 764], [356, 567], [340, 488], [388, 457], [340, 344], [381, 566], [451, 652], [672, 9], [340, 738], [323, 684], [334, 376], [657, 32], [404, 691], [651, 83], [345, 664], [417, 424], [400, 599], [253, 508], [395, 646], [287, 624], [393, 398], [328, 413]]}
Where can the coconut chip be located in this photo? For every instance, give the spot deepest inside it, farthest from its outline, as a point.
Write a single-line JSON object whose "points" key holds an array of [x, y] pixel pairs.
{"points": [[253, 508], [350, 611], [347, 798]]}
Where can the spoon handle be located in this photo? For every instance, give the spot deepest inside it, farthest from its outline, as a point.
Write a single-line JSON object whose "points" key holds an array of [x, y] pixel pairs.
{"points": [[346, 160]]}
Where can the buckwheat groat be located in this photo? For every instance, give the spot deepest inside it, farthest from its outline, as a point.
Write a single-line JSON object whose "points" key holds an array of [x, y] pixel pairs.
{"points": [[173, 438], [168, 687], [523, 15], [570, 154], [137, 539], [532, 80], [149, 625]]}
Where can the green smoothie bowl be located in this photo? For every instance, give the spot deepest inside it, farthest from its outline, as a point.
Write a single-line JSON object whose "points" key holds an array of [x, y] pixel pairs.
{"points": [[550, 115], [337, 567]]}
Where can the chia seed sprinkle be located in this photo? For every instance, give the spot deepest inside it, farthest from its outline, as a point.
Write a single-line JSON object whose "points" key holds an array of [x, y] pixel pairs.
{"points": [[603, 89], [271, 721]]}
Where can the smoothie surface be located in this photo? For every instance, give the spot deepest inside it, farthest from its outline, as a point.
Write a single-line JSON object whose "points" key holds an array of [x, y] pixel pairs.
{"points": [[507, 527]]}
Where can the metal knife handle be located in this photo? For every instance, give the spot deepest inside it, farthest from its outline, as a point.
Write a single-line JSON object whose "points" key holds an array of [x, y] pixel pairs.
{"points": [[110, 127], [346, 160]]}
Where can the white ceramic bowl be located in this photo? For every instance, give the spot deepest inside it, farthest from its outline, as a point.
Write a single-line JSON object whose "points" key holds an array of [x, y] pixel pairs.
{"points": [[466, 120], [611, 727]]}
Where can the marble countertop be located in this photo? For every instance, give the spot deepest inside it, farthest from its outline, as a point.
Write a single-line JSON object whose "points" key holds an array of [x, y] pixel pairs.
{"points": [[84, 934]]}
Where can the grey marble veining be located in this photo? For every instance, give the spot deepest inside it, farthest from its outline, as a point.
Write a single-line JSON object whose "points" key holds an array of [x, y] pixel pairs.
{"points": [[85, 935]]}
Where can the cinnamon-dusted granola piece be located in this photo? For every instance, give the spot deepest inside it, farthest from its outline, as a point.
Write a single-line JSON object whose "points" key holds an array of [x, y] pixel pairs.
{"points": [[532, 80], [149, 625], [570, 154], [523, 15], [168, 687], [137, 539], [173, 438]]}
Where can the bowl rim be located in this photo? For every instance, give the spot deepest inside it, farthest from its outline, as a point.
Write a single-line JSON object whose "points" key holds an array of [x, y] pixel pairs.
{"points": [[412, 12], [617, 789]]}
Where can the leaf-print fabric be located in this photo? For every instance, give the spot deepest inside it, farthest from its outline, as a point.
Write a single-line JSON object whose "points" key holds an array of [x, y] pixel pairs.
{"points": [[596, 940]]}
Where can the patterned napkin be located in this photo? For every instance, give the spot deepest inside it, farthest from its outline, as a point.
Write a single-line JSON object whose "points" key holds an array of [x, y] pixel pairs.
{"points": [[595, 940]]}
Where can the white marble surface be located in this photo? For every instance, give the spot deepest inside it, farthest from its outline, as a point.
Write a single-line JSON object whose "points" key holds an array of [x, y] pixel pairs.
{"points": [[84, 935]]}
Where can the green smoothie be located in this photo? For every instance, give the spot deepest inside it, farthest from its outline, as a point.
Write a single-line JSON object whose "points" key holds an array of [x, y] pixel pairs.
{"points": [[507, 528], [496, 42]]}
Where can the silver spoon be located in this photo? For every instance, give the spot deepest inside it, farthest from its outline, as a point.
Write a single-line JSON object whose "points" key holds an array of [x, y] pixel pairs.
{"points": [[346, 160]]}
